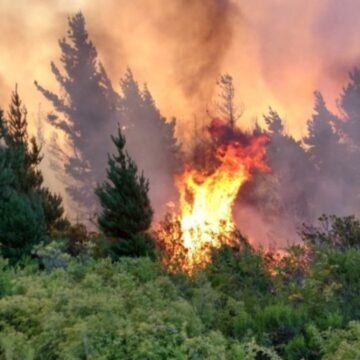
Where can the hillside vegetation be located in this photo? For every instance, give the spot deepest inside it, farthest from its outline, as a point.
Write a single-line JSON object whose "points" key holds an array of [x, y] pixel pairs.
{"points": [[245, 305]]}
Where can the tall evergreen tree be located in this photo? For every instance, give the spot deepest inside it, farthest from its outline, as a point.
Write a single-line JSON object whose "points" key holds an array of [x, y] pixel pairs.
{"points": [[349, 104], [22, 222], [7, 177], [29, 176], [284, 191], [86, 111], [334, 146], [226, 106], [126, 210], [25, 155], [151, 140], [324, 143], [291, 166], [53, 209]]}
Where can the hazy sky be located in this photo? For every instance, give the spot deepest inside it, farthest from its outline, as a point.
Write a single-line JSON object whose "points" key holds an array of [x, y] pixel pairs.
{"points": [[278, 51]]}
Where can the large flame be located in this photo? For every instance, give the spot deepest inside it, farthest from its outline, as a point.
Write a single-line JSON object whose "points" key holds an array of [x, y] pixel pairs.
{"points": [[207, 198]]}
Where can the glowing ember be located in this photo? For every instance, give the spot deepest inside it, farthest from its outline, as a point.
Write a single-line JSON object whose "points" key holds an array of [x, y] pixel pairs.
{"points": [[206, 199]]}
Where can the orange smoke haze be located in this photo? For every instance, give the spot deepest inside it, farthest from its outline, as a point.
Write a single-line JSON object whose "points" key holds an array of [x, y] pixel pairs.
{"points": [[278, 51]]}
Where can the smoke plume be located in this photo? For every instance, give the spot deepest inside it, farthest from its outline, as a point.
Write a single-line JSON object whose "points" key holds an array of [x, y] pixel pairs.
{"points": [[278, 52]]}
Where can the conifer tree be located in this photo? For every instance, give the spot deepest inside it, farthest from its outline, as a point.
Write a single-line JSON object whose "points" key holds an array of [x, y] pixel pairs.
{"points": [[349, 128], [25, 155], [22, 223], [53, 210], [7, 177], [349, 104], [29, 176], [150, 140], [324, 143], [86, 111], [126, 211], [291, 165], [226, 106], [283, 192], [333, 151]]}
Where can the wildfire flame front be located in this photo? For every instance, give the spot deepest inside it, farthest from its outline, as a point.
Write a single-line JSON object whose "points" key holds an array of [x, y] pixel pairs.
{"points": [[207, 199]]}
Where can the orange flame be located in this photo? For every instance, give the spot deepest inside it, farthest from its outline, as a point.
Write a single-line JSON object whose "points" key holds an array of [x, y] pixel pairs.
{"points": [[207, 199]]}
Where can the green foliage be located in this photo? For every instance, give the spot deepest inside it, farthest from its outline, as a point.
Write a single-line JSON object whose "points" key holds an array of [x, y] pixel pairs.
{"points": [[342, 344], [5, 277], [29, 177], [27, 209], [338, 232], [244, 305], [281, 322], [134, 245], [21, 225], [76, 241], [52, 256], [15, 345], [126, 210], [239, 272], [109, 312], [53, 210]]}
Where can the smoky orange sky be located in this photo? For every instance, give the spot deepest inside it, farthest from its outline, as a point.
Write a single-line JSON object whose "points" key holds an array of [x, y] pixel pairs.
{"points": [[278, 51]]}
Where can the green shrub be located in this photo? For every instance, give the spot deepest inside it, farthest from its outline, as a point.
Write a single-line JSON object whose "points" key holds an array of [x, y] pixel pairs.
{"points": [[22, 225], [342, 344]]}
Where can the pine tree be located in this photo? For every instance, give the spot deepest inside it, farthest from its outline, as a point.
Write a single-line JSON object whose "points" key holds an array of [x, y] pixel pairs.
{"points": [[86, 111], [226, 106], [291, 165], [284, 192], [22, 223], [53, 210], [349, 104], [151, 141], [274, 123], [29, 176], [126, 210], [333, 155], [7, 177], [25, 155], [324, 144], [349, 129]]}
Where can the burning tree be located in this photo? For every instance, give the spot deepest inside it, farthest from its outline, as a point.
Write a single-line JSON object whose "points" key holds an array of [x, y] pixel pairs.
{"points": [[207, 196]]}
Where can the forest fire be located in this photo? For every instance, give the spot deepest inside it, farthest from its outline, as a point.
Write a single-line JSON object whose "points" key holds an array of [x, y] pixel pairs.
{"points": [[207, 196]]}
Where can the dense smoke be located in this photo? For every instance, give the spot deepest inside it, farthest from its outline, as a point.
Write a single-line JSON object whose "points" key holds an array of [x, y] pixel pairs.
{"points": [[317, 175], [276, 56], [201, 32]]}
